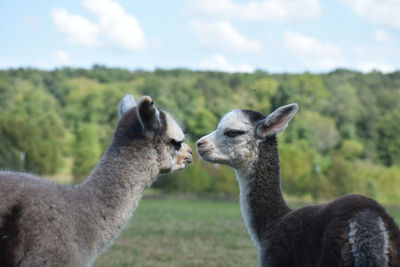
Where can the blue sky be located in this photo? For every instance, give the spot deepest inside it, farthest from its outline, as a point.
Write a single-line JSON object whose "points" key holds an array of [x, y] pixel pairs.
{"points": [[225, 35]]}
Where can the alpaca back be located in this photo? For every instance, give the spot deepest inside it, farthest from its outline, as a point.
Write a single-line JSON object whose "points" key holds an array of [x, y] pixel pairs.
{"points": [[350, 231]]}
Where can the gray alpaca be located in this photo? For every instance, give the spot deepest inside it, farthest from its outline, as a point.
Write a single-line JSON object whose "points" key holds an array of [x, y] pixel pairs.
{"points": [[46, 224], [350, 231]]}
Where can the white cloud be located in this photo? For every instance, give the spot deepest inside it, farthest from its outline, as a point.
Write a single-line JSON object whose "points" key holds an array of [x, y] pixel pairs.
{"points": [[217, 62], [381, 36], [114, 27], [312, 53], [267, 10], [377, 11], [61, 58], [380, 56], [371, 65], [117, 26], [78, 29], [222, 35]]}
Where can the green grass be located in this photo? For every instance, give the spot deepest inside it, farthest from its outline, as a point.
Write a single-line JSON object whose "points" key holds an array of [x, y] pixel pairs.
{"points": [[182, 232]]}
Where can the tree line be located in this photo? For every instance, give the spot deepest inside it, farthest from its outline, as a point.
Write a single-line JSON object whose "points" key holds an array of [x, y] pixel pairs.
{"points": [[345, 137]]}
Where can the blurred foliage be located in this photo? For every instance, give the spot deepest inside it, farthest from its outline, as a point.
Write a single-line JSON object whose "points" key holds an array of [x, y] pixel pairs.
{"points": [[345, 137], [86, 150]]}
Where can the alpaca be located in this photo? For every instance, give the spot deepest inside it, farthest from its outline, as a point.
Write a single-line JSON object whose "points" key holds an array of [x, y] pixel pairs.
{"points": [[352, 230], [47, 224]]}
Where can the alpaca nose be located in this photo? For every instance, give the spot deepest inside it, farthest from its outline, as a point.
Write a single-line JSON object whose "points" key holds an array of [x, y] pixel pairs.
{"points": [[201, 142], [186, 148]]}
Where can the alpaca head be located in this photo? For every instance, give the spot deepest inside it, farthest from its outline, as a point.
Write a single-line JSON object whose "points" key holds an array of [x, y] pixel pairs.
{"points": [[235, 141], [146, 129]]}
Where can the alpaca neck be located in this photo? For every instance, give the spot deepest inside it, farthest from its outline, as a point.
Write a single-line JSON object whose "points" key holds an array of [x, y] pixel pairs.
{"points": [[112, 192], [261, 198]]}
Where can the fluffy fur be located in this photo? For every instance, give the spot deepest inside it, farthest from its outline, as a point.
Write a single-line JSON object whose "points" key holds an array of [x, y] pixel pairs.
{"points": [[47, 224], [350, 231]]}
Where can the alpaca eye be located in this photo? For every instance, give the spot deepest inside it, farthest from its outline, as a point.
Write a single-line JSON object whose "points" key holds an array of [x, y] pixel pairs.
{"points": [[177, 145], [234, 133]]}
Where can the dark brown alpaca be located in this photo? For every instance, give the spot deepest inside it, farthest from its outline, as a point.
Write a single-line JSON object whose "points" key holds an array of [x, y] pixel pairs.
{"points": [[350, 231]]}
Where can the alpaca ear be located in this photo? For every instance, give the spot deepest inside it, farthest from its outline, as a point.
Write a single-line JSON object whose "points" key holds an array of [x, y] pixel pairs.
{"points": [[148, 115], [277, 121], [127, 103]]}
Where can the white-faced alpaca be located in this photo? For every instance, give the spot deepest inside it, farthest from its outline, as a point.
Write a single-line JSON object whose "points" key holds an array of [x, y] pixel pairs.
{"points": [[350, 231], [46, 224]]}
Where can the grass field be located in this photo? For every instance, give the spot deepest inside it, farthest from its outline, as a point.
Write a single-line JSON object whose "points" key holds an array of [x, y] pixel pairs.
{"points": [[186, 232]]}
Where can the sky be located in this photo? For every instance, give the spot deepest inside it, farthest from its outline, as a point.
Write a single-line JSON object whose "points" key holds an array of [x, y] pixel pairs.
{"points": [[223, 35]]}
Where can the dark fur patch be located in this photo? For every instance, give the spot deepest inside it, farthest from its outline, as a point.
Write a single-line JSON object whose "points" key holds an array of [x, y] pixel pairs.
{"points": [[164, 124], [9, 236], [148, 115], [160, 132], [128, 128], [266, 199], [253, 115]]}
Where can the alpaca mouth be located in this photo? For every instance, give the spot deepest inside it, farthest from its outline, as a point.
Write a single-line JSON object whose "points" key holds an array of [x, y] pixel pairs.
{"points": [[208, 155], [204, 151], [188, 160]]}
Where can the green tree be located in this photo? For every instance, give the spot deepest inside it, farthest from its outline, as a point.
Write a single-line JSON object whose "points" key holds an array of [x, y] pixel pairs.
{"points": [[264, 89], [387, 138], [319, 131], [84, 102], [340, 177], [45, 144], [351, 149], [308, 90], [34, 129], [86, 151], [297, 165], [346, 109]]}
